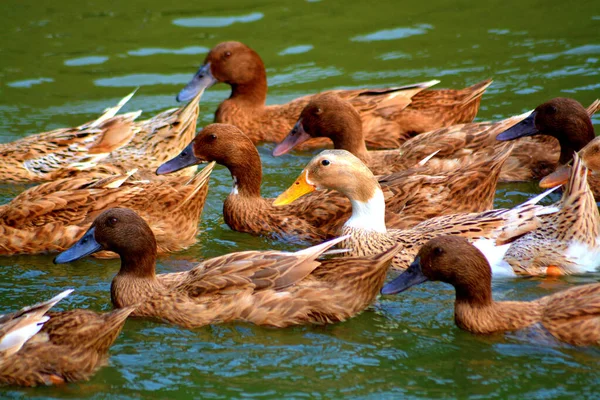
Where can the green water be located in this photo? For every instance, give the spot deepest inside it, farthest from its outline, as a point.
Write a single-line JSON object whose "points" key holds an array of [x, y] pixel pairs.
{"points": [[62, 62]]}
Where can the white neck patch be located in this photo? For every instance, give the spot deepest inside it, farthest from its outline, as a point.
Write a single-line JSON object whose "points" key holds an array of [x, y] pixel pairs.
{"points": [[369, 216]]}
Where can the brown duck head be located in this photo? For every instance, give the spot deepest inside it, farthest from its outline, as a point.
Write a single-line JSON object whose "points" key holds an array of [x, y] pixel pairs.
{"points": [[233, 63], [226, 145], [562, 118], [590, 157], [327, 115], [120, 230], [453, 260]]}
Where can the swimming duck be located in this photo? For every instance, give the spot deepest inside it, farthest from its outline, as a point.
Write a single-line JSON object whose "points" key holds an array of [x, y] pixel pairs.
{"points": [[566, 242], [110, 145], [419, 193], [366, 228], [389, 115], [38, 347], [273, 288], [571, 316], [590, 158], [330, 116], [52, 216], [563, 119]]}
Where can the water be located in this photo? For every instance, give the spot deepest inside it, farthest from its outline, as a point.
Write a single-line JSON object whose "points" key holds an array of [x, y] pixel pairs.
{"points": [[62, 62]]}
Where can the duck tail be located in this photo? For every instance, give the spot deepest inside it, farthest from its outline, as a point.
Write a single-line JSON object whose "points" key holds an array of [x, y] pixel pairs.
{"points": [[43, 307], [198, 181], [577, 187], [109, 329], [475, 91], [593, 108], [112, 111]]}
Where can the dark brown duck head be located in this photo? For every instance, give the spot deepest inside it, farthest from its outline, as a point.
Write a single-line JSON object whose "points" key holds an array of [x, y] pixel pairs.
{"points": [[226, 145], [327, 115], [233, 63], [120, 230], [562, 118], [453, 260]]}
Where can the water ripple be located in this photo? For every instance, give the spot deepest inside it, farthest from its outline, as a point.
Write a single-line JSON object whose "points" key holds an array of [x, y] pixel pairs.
{"points": [[217, 22], [393, 34]]}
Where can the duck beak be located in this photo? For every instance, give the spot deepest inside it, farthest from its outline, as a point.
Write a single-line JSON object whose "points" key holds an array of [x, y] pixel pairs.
{"points": [[185, 159], [557, 178], [85, 246], [203, 79], [297, 190], [522, 129], [411, 277], [296, 136]]}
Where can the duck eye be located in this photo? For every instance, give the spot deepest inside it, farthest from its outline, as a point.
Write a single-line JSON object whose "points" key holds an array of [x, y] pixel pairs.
{"points": [[318, 111], [212, 136], [227, 54], [438, 251], [325, 163], [552, 109], [112, 221]]}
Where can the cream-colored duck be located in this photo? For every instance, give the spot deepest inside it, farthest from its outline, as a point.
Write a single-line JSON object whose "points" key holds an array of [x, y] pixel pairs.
{"points": [[52, 216], [110, 145], [341, 171], [571, 316], [273, 288], [568, 241]]}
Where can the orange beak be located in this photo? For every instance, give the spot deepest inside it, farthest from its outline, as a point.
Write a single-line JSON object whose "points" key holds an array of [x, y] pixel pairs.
{"points": [[297, 190], [558, 177]]}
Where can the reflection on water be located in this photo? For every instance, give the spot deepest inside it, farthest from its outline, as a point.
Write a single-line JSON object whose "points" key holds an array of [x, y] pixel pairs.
{"points": [[63, 64]]}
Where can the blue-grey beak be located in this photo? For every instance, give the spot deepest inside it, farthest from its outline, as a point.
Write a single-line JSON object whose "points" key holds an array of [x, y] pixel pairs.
{"points": [[203, 79], [411, 277], [185, 159], [85, 246], [522, 129]]}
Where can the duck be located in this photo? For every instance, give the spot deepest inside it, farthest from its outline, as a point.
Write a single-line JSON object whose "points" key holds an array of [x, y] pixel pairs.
{"points": [[571, 316], [328, 115], [52, 216], [272, 288], [562, 120], [389, 115], [590, 158], [419, 193], [366, 229], [566, 242], [107, 146], [38, 347]]}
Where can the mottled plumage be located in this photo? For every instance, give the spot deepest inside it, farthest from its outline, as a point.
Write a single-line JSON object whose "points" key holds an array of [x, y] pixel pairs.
{"points": [[110, 145], [70, 346], [52, 216], [415, 195], [572, 316], [262, 287], [390, 115]]}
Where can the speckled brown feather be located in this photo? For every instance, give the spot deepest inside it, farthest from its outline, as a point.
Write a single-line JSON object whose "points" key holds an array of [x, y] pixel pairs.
{"points": [[103, 147], [572, 316], [577, 223], [52, 216], [390, 115], [71, 347]]}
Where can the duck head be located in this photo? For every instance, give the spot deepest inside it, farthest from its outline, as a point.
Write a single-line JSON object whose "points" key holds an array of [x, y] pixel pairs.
{"points": [[562, 118], [341, 171], [233, 63], [449, 259], [327, 115], [120, 230]]}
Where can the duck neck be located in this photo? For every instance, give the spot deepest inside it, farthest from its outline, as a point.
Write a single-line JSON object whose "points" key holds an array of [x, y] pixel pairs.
{"points": [[576, 138], [140, 263], [352, 140], [369, 214], [253, 92], [246, 172]]}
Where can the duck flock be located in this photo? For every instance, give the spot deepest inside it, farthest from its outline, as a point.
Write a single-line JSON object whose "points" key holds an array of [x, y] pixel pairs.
{"points": [[408, 186]]}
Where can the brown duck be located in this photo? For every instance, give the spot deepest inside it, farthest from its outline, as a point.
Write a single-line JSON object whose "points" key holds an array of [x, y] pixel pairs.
{"points": [[419, 193], [366, 229], [330, 116], [110, 145], [389, 115], [262, 287], [52, 216], [571, 316], [38, 347], [560, 120]]}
